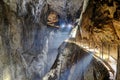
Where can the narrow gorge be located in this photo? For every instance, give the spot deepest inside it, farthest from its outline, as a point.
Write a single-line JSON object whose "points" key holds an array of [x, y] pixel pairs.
{"points": [[59, 40]]}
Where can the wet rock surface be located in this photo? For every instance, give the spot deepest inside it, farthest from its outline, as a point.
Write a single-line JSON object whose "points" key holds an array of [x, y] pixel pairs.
{"points": [[25, 39], [74, 63]]}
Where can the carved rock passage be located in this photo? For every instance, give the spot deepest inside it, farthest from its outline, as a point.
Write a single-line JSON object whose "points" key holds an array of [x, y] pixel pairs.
{"points": [[24, 36], [74, 63], [100, 25]]}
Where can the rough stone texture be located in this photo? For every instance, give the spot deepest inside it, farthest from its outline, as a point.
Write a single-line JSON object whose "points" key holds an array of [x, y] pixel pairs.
{"points": [[100, 26], [74, 63], [99, 22], [66, 7], [25, 38]]}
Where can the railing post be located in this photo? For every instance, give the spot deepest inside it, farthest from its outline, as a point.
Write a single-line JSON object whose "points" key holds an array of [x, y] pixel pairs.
{"points": [[102, 50], [108, 51], [118, 63], [94, 47], [89, 45]]}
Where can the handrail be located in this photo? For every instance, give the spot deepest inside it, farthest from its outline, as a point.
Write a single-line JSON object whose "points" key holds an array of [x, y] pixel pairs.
{"points": [[109, 49]]}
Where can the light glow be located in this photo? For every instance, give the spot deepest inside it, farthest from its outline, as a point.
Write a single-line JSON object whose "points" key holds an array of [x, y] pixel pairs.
{"points": [[63, 25], [6, 74], [69, 26]]}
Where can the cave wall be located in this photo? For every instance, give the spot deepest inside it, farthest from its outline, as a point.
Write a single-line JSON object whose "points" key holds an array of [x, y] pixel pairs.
{"points": [[102, 24], [25, 37], [24, 40], [66, 8], [100, 27]]}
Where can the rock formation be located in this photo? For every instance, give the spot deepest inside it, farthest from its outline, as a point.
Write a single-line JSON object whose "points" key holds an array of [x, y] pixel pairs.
{"points": [[74, 63], [25, 36]]}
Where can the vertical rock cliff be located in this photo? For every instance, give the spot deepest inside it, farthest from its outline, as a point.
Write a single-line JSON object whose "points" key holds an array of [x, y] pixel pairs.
{"points": [[25, 37]]}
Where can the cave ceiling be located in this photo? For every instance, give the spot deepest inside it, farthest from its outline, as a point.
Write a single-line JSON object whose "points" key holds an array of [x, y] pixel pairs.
{"points": [[100, 21]]}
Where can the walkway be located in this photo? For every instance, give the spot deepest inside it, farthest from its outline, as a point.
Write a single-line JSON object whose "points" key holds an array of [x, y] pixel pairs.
{"points": [[109, 62]]}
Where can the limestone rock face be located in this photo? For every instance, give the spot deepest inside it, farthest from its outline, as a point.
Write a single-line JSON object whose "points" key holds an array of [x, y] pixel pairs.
{"points": [[25, 37], [100, 25], [65, 7], [74, 63], [100, 21], [23, 40]]}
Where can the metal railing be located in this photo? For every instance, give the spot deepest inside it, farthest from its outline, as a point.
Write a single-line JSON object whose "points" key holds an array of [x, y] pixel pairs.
{"points": [[102, 50]]}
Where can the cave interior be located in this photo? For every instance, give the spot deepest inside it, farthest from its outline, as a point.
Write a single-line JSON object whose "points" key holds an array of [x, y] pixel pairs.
{"points": [[59, 39]]}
